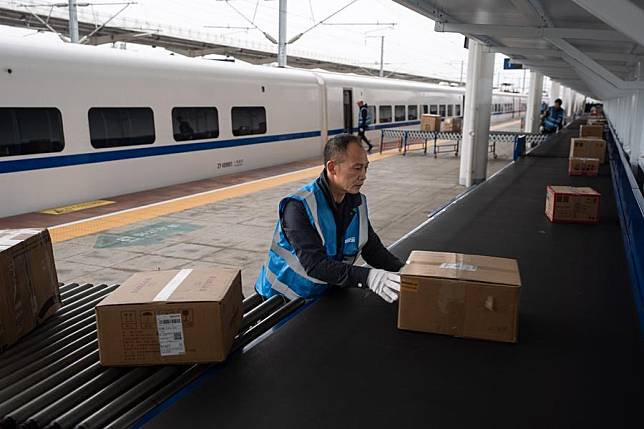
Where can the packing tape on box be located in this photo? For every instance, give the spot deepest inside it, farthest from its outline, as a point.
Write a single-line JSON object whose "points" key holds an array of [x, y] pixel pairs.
{"points": [[172, 285]]}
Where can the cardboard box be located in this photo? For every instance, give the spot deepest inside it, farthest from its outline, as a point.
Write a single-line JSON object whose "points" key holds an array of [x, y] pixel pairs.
{"points": [[28, 282], [452, 125], [430, 122], [591, 131], [567, 204], [460, 295], [588, 147], [583, 166], [170, 317], [596, 121]]}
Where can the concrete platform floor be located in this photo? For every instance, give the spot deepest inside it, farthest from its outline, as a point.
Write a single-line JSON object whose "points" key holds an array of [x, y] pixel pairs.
{"points": [[402, 192]]}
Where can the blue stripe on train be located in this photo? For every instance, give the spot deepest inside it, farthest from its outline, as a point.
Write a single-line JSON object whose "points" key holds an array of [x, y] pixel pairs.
{"points": [[116, 155]]}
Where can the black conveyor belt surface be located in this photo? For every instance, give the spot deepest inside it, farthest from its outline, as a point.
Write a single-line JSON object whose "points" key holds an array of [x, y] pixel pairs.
{"points": [[343, 363]]}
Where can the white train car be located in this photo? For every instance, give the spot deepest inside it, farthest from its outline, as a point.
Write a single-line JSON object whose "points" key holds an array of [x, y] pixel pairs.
{"points": [[79, 123]]}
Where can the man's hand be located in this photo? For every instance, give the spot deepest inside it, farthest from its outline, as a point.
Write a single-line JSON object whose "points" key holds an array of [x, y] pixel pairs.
{"points": [[384, 283]]}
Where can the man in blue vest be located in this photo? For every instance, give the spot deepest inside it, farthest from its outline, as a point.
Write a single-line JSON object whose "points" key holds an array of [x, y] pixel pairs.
{"points": [[323, 228], [552, 119]]}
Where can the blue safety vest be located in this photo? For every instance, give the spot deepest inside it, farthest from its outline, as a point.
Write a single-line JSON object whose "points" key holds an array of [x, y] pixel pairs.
{"points": [[553, 118], [283, 273]]}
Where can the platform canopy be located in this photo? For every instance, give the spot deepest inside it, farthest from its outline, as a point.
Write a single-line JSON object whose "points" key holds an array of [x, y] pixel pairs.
{"points": [[592, 46]]}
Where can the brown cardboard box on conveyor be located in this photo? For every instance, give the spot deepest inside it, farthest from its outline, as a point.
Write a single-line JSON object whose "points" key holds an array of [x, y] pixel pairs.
{"points": [[583, 166], [568, 204], [170, 317], [28, 282], [588, 147], [591, 131], [460, 295]]}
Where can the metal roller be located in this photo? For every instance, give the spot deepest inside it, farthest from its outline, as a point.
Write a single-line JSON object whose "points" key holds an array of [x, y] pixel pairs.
{"points": [[29, 349], [82, 294], [70, 400], [72, 290], [44, 369], [103, 416], [100, 398], [47, 384], [16, 363], [251, 302], [261, 311]]}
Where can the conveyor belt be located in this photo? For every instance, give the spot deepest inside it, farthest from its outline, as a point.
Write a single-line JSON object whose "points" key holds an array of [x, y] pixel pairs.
{"points": [[343, 363], [52, 377]]}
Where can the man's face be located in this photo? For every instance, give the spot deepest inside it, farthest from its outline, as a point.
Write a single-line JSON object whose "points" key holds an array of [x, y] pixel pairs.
{"points": [[349, 172], [557, 104]]}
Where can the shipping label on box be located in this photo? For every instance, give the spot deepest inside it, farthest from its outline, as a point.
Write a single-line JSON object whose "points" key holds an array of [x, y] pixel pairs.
{"points": [[568, 204], [588, 147], [591, 131], [460, 295], [583, 166], [171, 317], [28, 282]]}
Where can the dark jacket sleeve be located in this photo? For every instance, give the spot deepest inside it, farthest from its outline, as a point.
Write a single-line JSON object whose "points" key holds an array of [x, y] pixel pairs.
{"points": [[311, 253], [376, 254]]}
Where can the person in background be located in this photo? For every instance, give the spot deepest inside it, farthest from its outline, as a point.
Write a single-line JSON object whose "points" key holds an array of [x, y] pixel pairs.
{"points": [[323, 228], [363, 123], [552, 119]]}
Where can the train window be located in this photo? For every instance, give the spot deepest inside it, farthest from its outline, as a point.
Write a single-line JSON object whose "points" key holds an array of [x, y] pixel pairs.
{"points": [[441, 110], [399, 113], [457, 108], [248, 120], [371, 114], [30, 130], [194, 123], [425, 109], [433, 109], [385, 114], [450, 110], [120, 126], [412, 112]]}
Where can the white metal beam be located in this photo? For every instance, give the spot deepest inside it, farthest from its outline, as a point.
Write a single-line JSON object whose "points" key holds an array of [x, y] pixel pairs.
{"points": [[594, 66], [527, 52], [522, 32], [622, 15]]}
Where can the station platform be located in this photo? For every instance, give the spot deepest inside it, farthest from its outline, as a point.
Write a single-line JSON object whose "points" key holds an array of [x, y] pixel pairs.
{"points": [[342, 362], [229, 220]]}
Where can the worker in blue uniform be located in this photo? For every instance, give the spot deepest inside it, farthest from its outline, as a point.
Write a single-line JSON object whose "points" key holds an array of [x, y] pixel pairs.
{"points": [[322, 230], [553, 118], [363, 123]]}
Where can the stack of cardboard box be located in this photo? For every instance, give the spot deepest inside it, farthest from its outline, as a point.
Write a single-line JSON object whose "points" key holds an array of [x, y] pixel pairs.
{"points": [[430, 123], [452, 125], [579, 204]]}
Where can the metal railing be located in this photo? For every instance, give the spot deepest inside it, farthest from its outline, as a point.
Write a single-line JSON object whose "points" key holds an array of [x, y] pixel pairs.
{"points": [[449, 142]]}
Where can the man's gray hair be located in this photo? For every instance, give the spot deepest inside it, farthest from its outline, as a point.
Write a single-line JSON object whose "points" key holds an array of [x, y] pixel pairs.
{"points": [[337, 146]]}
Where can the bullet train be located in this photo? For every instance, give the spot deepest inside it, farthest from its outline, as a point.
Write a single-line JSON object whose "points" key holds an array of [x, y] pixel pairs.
{"points": [[79, 123]]}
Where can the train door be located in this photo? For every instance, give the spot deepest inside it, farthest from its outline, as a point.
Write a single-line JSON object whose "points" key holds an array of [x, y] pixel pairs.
{"points": [[347, 101]]}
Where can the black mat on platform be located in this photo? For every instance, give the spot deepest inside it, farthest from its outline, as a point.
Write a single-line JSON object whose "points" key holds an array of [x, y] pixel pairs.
{"points": [[343, 364]]}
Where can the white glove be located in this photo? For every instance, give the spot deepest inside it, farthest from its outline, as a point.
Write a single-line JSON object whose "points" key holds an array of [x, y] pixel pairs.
{"points": [[384, 283]]}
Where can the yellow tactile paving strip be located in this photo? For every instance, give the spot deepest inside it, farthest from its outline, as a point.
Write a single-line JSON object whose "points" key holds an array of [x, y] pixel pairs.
{"points": [[109, 221]]}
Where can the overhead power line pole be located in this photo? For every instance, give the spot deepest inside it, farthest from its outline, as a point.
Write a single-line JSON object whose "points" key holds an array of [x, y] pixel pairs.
{"points": [[382, 56], [281, 47], [73, 22]]}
